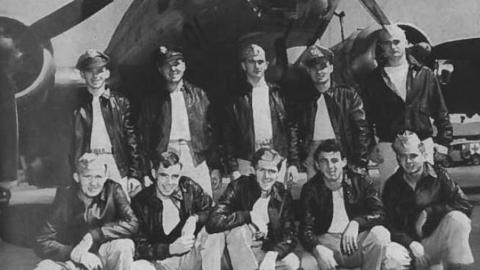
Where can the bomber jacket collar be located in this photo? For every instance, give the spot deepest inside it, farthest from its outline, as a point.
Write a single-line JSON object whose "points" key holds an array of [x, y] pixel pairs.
{"points": [[156, 203], [274, 192]]}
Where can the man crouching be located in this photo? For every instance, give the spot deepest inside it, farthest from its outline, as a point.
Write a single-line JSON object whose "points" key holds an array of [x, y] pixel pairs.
{"points": [[342, 215], [254, 217], [427, 211], [89, 223], [172, 213]]}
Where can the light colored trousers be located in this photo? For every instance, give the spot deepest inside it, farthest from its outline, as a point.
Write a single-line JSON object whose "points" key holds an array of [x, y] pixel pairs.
{"points": [[371, 254], [115, 255], [245, 252], [448, 244], [200, 173], [195, 259]]}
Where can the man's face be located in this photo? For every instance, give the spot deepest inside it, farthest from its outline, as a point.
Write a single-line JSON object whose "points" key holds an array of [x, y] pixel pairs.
{"points": [[411, 159], [331, 165], [173, 70], [92, 179], [267, 173], [320, 73], [95, 77], [255, 66], [167, 179], [393, 44]]}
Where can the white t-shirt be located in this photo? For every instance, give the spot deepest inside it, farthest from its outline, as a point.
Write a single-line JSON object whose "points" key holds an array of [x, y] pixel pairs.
{"points": [[170, 215], [99, 137], [262, 120], [261, 208], [180, 128], [322, 129], [340, 218], [398, 76]]}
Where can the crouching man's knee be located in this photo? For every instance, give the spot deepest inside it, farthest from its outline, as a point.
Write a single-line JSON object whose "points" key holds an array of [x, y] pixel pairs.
{"points": [[48, 265], [459, 221], [125, 247], [379, 235], [291, 262]]}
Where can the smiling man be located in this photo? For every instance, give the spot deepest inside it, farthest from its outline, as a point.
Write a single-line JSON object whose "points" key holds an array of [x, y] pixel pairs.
{"points": [[179, 116], [428, 212], [255, 218], [323, 110], [172, 213], [342, 216], [102, 123], [89, 223]]}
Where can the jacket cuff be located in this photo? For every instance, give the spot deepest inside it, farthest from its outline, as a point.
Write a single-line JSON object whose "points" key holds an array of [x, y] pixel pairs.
{"points": [[162, 251]]}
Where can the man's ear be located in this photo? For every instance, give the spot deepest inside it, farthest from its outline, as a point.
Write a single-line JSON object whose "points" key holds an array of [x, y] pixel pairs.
{"points": [[344, 160], [76, 177], [244, 67], [107, 73], [316, 165], [82, 74]]}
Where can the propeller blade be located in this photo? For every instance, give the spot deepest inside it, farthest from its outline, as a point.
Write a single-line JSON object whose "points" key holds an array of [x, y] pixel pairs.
{"points": [[375, 11], [65, 18]]}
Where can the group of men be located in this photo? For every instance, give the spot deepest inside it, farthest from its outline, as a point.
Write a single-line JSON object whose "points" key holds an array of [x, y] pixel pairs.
{"points": [[142, 197]]}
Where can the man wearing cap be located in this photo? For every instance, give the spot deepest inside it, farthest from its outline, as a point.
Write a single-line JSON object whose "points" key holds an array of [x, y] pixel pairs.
{"points": [[400, 94], [102, 123], [342, 215], [255, 216], [426, 210], [178, 116], [90, 223], [256, 116], [172, 213], [322, 110]]}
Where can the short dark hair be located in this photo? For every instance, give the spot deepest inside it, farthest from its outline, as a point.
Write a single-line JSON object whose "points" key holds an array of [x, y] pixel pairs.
{"points": [[167, 159], [267, 154], [328, 146]]}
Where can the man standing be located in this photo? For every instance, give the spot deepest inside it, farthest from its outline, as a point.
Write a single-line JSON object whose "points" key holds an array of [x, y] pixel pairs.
{"points": [[172, 213], [401, 94], [179, 117], [89, 223], [342, 216], [427, 211], [256, 117], [255, 219], [324, 110], [102, 123]]}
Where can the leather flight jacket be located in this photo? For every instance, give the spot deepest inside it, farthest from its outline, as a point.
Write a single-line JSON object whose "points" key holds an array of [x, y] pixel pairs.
{"points": [[155, 122], [108, 217], [391, 115], [239, 127], [347, 117], [362, 204], [234, 206], [151, 242], [120, 128], [435, 192]]}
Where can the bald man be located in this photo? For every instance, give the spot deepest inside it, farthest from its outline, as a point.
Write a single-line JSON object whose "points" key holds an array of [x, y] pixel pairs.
{"points": [[403, 94]]}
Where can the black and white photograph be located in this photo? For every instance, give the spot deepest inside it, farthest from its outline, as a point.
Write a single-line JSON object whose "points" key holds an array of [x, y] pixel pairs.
{"points": [[239, 134]]}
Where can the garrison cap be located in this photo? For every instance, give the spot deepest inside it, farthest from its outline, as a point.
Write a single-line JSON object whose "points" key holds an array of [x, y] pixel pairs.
{"points": [[251, 50], [91, 59], [166, 54], [316, 54]]}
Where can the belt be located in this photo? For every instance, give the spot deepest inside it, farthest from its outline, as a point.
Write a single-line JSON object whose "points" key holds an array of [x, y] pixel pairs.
{"points": [[100, 151], [180, 141]]}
